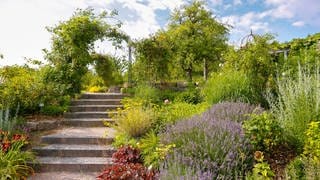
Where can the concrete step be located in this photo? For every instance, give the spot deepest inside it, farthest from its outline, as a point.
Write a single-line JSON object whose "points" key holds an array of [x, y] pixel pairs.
{"points": [[94, 108], [64, 175], [94, 122], [88, 115], [66, 150], [102, 96], [80, 135], [72, 164], [96, 102]]}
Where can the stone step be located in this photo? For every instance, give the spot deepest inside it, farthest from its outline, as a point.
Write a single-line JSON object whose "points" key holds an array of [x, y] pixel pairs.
{"points": [[64, 175], [94, 122], [88, 115], [102, 96], [67, 150], [96, 102], [80, 135], [96, 108], [72, 164]]}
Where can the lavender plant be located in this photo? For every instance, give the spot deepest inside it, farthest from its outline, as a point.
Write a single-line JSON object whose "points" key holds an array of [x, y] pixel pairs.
{"points": [[208, 147], [235, 111]]}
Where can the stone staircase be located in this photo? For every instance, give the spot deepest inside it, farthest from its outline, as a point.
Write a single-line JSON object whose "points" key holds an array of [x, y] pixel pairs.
{"points": [[83, 144]]}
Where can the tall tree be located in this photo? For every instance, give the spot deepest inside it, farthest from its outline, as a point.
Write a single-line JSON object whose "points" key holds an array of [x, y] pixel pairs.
{"points": [[153, 56], [73, 42], [198, 37]]}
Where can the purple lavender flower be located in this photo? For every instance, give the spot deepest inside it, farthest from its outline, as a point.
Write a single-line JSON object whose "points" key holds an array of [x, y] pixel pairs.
{"points": [[211, 145]]}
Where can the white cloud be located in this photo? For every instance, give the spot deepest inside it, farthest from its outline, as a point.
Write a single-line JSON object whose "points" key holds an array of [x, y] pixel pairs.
{"points": [[307, 11], [23, 33], [217, 2], [243, 24], [298, 24], [237, 2]]}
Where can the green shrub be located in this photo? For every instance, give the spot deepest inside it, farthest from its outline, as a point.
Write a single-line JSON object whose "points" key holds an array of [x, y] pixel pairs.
{"points": [[191, 95], [172, 112], [312, 144], [148, 93], [135, 120], [228, 86], [152, 150], [122, 139], [296, 169], [307, 166], [52, 110], [263, 131], [13, 161], [297, 104], [261, 170], [7, 122]]}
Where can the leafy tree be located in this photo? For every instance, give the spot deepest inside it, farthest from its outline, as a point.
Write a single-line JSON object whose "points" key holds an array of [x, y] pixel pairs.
{"points": [[256, 61], [72, 43], [197, 36], [107, 68], [153, 57]]}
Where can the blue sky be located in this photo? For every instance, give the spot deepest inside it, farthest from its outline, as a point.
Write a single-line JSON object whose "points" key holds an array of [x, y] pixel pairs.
{"points": [[23, 22]]}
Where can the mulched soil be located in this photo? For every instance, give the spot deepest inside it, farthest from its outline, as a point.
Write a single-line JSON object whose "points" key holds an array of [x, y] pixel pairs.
{"points": [[279, 158]]}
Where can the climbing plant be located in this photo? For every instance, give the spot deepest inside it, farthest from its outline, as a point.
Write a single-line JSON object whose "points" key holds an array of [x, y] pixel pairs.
{"points": [[73, 43]]}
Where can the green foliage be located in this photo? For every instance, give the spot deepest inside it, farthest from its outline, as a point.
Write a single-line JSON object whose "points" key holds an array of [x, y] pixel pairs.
{"points": [[122, 139], [7, 122], [72, 42], [191, 95], [135, 120], [13, 162], [52, 110], [263, 131], [297, 104], [152, 150], [147, 93], [307, 165], [153, 58], [228, 86], [91, 79], [197, 38], [261, 170], [25, 89], [296, 169], [172, 112], [256, 61], [105, 66], [312, 144]]}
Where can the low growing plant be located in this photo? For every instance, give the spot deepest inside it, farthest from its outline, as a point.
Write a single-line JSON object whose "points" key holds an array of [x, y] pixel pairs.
{"points": [[263, 131], [297, 104], [13, 161], [207, 146], [228, 86], [127, 165], [261, 170], [134, 119], [152, 150]]}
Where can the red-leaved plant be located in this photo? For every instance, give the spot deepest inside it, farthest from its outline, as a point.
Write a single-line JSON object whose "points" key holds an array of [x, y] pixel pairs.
{"points": [[127, 166]]}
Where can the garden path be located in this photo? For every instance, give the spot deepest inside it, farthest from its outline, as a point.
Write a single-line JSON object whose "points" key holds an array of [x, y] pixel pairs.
{"points": [[82, 148]]}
